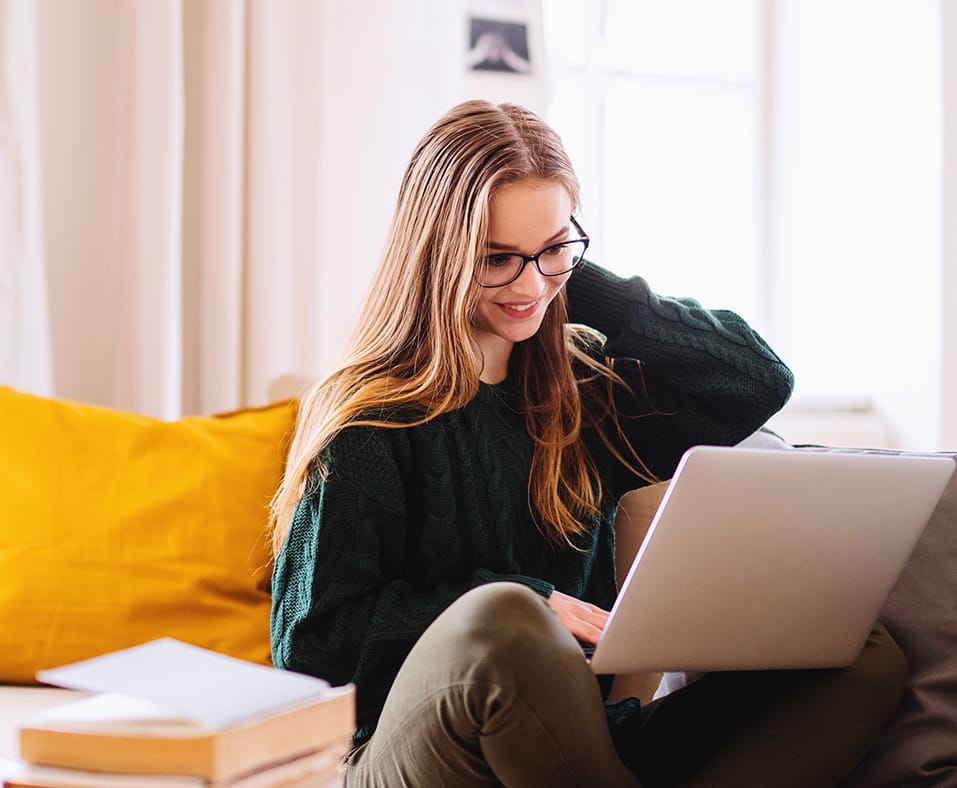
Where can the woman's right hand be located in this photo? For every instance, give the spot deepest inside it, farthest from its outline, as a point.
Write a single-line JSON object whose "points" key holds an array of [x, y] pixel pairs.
{"points": [[584, 620]]}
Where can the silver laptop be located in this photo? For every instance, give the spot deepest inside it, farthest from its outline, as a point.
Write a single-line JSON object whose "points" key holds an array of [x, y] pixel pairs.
{"points": [[763, 558]]}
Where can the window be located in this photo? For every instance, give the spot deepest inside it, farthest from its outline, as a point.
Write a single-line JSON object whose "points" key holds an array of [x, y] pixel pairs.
{"points": [[660, 106], [781, 159]]}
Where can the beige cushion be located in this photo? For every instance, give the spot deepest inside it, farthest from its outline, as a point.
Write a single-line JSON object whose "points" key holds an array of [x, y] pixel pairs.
{"points": [[636, 510]]}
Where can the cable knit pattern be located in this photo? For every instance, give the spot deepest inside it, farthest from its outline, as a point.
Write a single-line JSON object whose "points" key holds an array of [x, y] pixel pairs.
{"points": [[411, 518], [625, 308]]}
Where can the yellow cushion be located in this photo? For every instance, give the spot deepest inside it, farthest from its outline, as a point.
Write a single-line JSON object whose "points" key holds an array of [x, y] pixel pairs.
{"points": [[116, 529]]}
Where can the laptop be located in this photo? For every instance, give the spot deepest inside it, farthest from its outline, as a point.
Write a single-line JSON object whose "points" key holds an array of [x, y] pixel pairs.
{"points": [[768, 558]]}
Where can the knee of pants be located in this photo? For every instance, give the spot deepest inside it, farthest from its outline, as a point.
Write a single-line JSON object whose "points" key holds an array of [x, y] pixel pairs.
{"points": [[880, 673], [500, 624]]}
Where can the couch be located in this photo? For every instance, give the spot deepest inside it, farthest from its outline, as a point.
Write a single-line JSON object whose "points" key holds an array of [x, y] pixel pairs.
{"points": [[116, 528]]}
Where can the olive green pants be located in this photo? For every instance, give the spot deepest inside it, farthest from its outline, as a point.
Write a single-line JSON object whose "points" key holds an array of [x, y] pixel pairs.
{"points": [[497, 692]]}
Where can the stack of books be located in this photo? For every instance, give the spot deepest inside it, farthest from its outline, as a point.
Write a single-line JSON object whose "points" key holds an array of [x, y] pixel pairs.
{"points": [[170, 715]]}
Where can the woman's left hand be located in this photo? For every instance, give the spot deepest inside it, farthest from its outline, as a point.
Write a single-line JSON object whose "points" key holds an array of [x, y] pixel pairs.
{"points": [[584, 620]]}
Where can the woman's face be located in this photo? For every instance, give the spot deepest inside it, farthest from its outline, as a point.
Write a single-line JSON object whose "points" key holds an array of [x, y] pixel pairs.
{"points": [[524, 217]]}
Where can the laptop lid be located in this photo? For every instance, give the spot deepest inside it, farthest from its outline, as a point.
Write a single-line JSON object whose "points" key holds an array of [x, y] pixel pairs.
{"points": [[764, 558]]}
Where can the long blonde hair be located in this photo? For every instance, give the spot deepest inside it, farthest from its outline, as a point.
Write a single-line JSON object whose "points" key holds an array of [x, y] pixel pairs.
{"points": [[413, 350]]}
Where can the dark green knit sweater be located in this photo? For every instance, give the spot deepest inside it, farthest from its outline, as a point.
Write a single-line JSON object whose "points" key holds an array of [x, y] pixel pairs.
{"points": [[410, 518]]}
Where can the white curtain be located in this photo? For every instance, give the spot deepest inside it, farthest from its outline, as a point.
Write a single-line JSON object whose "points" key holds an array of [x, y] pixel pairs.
{"points": [[158, 166], [24, 339], [166, 163]]}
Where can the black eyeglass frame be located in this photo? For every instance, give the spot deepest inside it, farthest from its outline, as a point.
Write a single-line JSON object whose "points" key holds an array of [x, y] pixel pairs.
{"points": [[526, 259]]}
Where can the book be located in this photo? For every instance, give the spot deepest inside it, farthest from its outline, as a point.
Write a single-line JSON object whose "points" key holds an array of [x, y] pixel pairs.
{"points": [[168, 708], [319, 769]]}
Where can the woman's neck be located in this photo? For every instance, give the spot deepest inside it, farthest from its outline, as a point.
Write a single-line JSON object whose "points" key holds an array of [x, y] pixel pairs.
{"points": [[493, 375], [495, 355]]}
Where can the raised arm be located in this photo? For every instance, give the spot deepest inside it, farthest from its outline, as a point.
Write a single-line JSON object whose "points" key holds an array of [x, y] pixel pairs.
{"points": [[697, 375]]}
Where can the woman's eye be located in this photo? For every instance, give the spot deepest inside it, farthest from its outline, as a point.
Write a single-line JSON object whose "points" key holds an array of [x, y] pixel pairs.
{"points": [[551, 251], [497, 260]]}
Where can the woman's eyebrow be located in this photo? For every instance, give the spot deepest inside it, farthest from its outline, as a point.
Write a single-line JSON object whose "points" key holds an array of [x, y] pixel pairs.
{"points": [[508, 248]]}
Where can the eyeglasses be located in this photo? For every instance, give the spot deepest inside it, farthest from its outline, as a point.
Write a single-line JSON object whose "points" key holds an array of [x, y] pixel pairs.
{"points": [[498, 270]]}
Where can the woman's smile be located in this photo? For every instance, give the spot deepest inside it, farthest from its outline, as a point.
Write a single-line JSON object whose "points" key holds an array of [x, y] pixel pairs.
{"points": [[520, 309]]}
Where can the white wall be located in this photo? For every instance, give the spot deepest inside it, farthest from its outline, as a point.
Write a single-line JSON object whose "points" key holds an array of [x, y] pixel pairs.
{"points": [[948, 358], [388, 71]]}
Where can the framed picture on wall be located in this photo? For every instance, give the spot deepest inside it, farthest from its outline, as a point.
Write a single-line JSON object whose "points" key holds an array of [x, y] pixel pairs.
{"points": [[498, 45], [503, 52]]}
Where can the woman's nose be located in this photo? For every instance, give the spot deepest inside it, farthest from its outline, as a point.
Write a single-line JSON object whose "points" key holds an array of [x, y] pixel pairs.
{"points": [[534, 279]]}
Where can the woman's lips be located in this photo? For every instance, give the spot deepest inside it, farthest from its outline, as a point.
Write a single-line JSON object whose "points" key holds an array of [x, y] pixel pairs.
{"points": [[520, 311]]}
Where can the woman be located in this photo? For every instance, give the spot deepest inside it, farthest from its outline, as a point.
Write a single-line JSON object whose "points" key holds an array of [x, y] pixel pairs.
{"points": [[444, 531]]}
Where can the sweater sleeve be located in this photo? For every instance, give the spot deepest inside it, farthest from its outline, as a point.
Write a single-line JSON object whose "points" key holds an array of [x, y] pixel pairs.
{"points": [[696, 376], [343, 608]]}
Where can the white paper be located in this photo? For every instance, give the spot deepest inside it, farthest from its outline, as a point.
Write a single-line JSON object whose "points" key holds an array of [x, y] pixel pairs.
{"points": [[190, 682]]}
